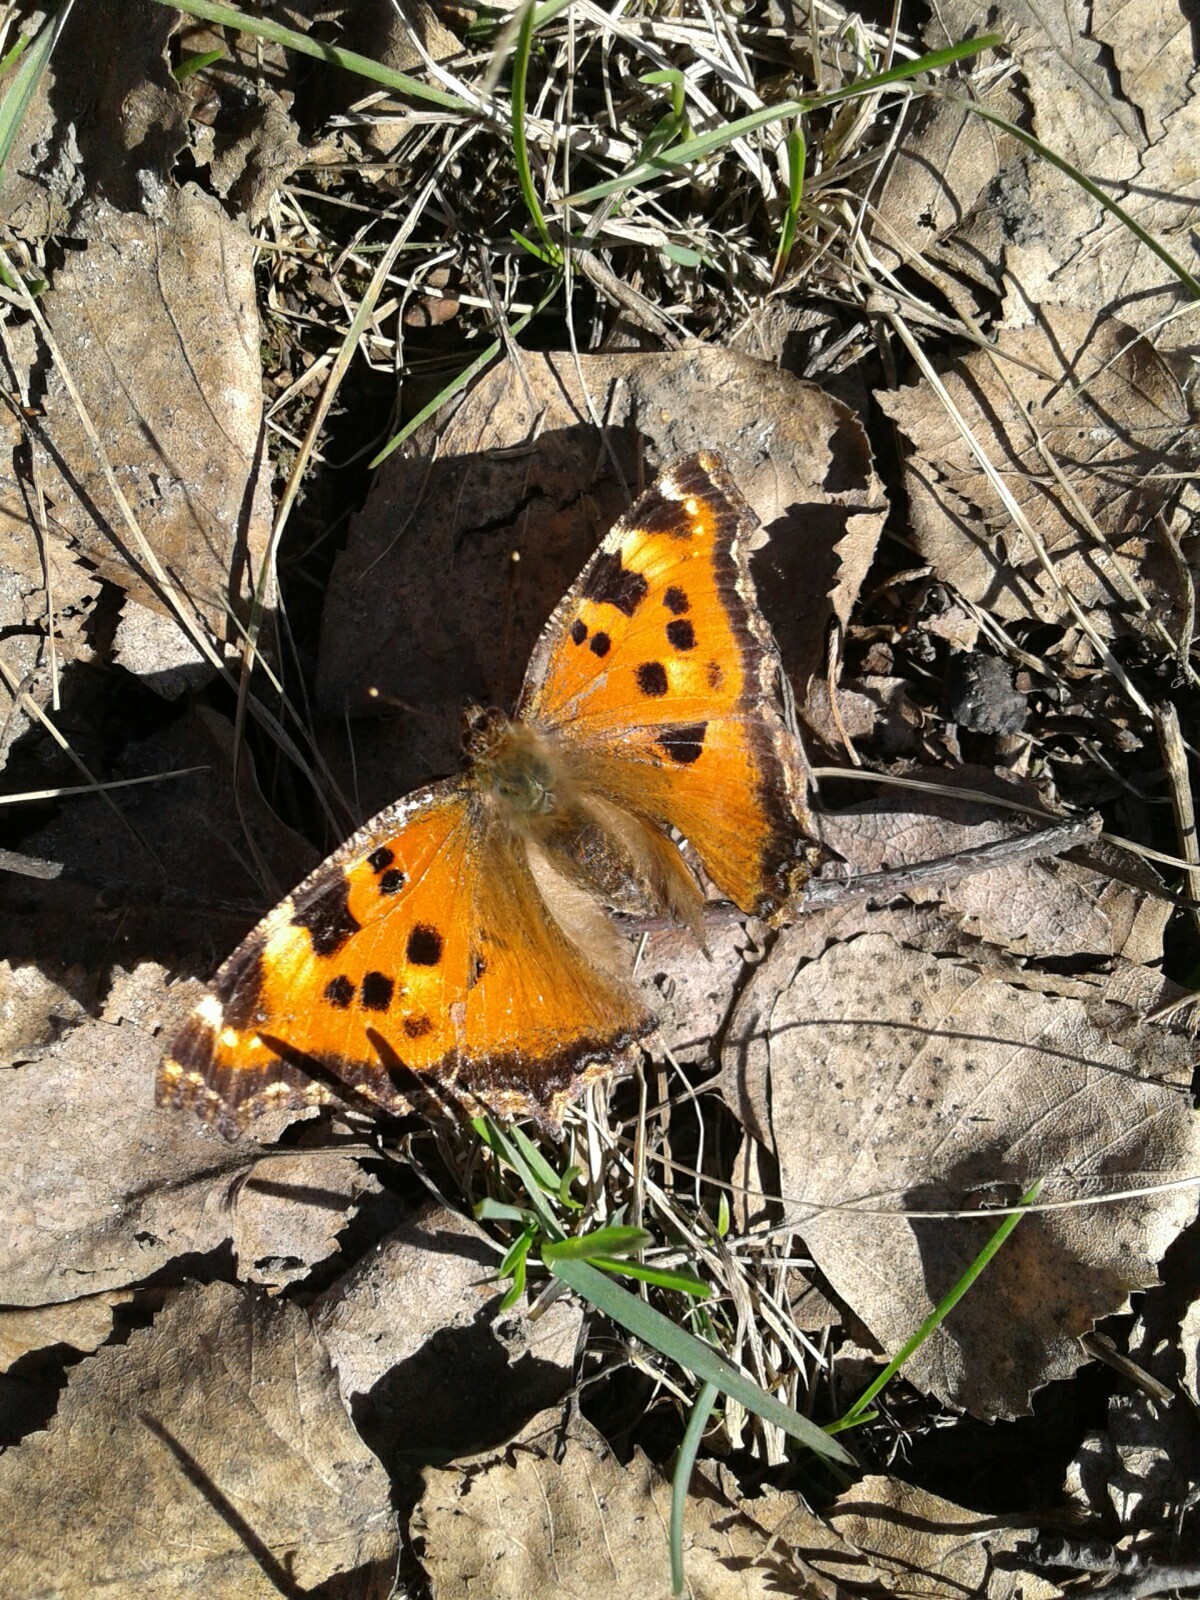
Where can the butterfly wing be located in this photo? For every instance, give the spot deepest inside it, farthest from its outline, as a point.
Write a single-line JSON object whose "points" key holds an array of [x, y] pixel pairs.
{"points": [[417, 967], [659, 678]]}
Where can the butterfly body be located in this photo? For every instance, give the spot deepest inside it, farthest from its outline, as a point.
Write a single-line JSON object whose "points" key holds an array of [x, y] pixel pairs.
{"points": [[455, 952]]}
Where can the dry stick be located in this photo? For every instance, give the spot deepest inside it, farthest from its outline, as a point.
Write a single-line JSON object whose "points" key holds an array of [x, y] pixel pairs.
{"points": [[823, 893], [1166, 725]]}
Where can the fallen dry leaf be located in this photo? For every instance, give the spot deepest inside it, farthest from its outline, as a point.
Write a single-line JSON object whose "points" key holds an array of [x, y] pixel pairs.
{"points": [[1138, 1475], [1041, 909], [1110, 412], [78, 1324], [428, 605], [211, 1455], [927, 1548], [172, 383], [546, 1517], [426, 1360], [99, 1188], [901, 1081]]}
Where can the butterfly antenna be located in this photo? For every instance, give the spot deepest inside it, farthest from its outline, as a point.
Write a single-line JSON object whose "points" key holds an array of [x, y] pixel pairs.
{"points": [[510, 606]]}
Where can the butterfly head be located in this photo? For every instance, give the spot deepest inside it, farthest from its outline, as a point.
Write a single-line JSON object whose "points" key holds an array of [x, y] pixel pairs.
{"points": [[511, 763]]}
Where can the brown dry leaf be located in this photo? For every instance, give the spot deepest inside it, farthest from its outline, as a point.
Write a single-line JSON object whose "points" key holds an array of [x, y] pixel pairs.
{"points": [[428, 605], [36, 1008], [930, 1549], [901, 1081], [79, 1324], [1141, 1471], [101, 121], [1057, 244], [425, 1358], [211, 1455], [944, 161], [99, 1188], [1042, 909], [180, 872], [172, 382], [547, 1518], [1110, 412]]}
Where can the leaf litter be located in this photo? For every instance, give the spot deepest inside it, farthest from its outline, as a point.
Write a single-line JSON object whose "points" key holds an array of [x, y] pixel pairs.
{"points": [[221, 230]]}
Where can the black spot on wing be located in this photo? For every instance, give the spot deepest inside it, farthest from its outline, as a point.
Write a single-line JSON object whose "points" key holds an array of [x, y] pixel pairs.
{"points": [[380, 859], [681, 634], [652, 678], [478, 968], [339, 991], [376, 993], [608, 583], [675, 600], [391, 881], [328, 917], [424, 946], [417, 1027], [685, 743], [601, 644], [578, 631], [715, 674]]}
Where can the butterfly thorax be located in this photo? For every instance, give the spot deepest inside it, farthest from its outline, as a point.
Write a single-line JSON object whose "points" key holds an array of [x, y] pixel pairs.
{"points": [[570, 830]]}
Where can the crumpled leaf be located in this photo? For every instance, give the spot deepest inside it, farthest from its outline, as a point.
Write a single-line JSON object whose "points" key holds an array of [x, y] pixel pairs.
{"points": [[78, 1324], [1139, 1475], [412, 613], [546, 1517], [99, 1188], [211, 1455], [172, 382], [903, 1082], [1110, 411], [1043, 909], [930, 1549]]}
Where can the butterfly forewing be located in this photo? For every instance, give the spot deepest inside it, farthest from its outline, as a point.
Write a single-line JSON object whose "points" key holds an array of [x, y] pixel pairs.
{"points": [[659, 677]]}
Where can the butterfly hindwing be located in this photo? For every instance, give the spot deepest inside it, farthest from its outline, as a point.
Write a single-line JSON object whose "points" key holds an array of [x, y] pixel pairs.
{"points": [[660, 679], [416, 968]]}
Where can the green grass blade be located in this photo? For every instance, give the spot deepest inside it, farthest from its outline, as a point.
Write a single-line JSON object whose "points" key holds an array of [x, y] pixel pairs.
{"points": [[462, 379], [194, 64], [520, 74], [685, 1462], [938, 1315], [796, 151], [691, 150], [25, 80], [1085, 183], [350, 60], [660, 1277], [683, 1348], [600, 1241]]}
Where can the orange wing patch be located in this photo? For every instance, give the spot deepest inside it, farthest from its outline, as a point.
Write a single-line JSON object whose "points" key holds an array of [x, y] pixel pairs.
{"points": [[417, 969], [659, 675]]}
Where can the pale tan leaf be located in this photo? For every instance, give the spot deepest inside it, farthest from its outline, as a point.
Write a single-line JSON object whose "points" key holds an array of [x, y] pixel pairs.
{"points": [[98, 1186], [1110, 412], [172, 382], [544, 1519], [928, 1548], [903, 1082], [425, 1357], [211, 1455], [79, 1324]]}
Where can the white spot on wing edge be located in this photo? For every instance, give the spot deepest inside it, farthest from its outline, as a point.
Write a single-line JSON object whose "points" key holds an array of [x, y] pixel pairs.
{"points": [[211, 1011]]}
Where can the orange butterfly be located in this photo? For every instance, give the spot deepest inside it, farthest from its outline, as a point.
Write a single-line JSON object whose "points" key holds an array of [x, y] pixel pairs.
{"points": [[454, 951]]}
